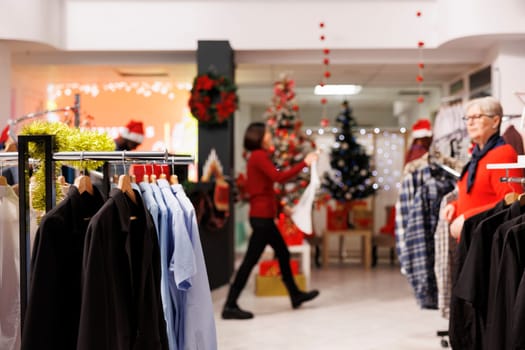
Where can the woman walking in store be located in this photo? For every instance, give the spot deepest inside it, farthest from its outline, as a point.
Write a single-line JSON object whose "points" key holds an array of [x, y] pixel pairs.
{"points": [[478, 188], [261, 175]]}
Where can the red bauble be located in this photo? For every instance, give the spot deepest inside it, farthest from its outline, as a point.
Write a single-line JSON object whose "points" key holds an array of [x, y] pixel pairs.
{"points": [[418, 13], [295, 108], [321, 25], [304, 183], [323, 100], [327, 74], [420, 99], [322, 37], [420, 44], [419, 78], [421, 65], [326, 61], [324, 122], [326, 51]]}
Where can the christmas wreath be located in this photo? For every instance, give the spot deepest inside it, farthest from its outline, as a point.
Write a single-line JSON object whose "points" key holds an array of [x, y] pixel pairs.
{"points": [[213, 98]]}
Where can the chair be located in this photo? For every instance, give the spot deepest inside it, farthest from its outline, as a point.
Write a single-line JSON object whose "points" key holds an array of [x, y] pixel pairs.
{"points": [[386, 236]]}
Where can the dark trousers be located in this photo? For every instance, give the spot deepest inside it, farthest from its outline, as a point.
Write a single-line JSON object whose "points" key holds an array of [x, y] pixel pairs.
{"points": [[265, 232]]}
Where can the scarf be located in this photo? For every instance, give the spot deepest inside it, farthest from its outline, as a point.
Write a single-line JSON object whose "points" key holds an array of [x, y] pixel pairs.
{"points": [[472, 165]]}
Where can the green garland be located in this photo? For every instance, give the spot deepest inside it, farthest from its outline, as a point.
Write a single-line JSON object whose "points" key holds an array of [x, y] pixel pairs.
{"points": [[66, 140]]}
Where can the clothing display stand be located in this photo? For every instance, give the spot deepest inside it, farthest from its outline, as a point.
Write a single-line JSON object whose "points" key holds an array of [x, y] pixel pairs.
{"points": [[48, 160]]}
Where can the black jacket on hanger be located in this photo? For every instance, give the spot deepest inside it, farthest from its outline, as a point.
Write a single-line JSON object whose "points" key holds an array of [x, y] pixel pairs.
{"points": [[121, 302], [53, 308]]}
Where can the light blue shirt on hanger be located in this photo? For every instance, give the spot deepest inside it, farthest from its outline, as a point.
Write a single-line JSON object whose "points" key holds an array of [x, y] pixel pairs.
{"points": [[182, 262], [166, 251], [199, 322]]}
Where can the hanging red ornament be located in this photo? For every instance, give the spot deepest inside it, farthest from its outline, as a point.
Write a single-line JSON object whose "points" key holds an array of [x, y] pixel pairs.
{"points": [[418, 13], [323, 100], [420, 44], [420, 99], [324, 122], [295, 108], [326, 51], [421, 65], [321, 25], [327, 74], [326, 61], [322, 37], [419, 78]]}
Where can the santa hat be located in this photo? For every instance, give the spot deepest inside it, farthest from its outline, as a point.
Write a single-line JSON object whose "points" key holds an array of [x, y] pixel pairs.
{"points": [[4, 135], [133, 131], [421, 128]]}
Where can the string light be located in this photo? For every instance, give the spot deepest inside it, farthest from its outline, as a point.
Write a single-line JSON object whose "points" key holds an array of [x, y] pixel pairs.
{"points": [[94, 89]]}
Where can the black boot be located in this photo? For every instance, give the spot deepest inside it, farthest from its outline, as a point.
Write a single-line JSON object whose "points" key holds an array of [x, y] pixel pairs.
{"points": [[301, 297], [232, 311]]}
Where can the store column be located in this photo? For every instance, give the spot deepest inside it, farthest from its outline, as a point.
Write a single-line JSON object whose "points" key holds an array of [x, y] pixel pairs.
{"points": [[5, 84], [217, 244], [508, 76]]}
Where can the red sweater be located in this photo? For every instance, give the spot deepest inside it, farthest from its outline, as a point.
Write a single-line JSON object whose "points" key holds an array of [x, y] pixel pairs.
{"points": [[487, 189], [261, 175]]}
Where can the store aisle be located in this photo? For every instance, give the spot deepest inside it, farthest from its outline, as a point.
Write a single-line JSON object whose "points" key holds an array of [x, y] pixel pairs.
{"points": [[356, 310]]}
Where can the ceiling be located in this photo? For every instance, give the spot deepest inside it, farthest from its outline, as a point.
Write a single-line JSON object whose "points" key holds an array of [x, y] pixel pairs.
{"points": [[387, 76]]}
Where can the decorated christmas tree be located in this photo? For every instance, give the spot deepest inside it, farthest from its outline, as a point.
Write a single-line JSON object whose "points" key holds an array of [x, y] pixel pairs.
{"points": [[291, 144], [352, 168]]}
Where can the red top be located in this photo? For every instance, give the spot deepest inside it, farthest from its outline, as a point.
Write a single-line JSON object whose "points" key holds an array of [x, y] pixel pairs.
{"points": [[261, 175], [487, 189]]}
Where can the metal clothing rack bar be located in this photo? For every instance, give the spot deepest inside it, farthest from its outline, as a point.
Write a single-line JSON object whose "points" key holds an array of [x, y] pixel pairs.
{"points": [[520, 180], [75, 109], [124, 156]]}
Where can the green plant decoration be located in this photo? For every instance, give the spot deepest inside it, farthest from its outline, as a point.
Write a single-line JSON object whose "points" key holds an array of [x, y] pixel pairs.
{"points": [[66, 140]]}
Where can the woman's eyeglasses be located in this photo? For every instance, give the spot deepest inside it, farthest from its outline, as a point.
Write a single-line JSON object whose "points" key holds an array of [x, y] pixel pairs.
{"points": [[475, 117]]}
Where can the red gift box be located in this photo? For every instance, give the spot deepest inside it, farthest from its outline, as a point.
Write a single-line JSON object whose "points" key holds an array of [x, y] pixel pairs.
{"points": [[291, 233], [337, 218], [271, 267]]}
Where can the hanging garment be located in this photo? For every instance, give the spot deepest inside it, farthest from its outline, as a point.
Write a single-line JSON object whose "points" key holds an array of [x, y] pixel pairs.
{"points": [[158, 210], [302, 212], [9, 270], [199, 321], [418, 257], [470, 278], [181, 261], [53, 307], [121, 301], [445, 246]]}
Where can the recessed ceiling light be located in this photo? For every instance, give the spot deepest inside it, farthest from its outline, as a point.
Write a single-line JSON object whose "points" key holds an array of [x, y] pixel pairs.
{"points": [[337, 89]]}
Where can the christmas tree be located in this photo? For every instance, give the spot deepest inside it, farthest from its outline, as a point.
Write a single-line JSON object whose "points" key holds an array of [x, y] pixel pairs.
{"points": [[352, 173], [290, 144]]}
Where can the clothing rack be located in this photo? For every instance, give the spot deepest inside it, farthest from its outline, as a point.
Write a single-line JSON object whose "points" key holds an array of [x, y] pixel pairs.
{"points": [[448, 169], [49, 158], [75, 109]]}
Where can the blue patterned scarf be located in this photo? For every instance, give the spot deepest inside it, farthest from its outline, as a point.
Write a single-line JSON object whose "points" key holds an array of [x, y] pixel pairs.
{"points": [[472, 165]]}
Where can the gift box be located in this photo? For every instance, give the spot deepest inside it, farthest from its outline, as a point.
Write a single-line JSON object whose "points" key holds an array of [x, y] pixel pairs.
{"points": [[362, 218], [337, 217], [271, 267], [291, 234], [267, 286]]}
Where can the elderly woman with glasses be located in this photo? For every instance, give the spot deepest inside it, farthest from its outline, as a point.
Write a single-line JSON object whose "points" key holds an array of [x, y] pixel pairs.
{"points": [[480, 188]]}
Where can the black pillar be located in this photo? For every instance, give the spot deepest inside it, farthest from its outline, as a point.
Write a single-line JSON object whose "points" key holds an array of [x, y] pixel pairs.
{"points": [[217, 245]]}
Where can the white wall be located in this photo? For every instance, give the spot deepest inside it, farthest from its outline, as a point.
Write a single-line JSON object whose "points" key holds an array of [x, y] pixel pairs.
{"points": [[33, 20], [509, 76], [5, 85]]}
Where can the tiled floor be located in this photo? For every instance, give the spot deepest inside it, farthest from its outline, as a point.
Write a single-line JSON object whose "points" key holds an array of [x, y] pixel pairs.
{"points": [[357, 309]]}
